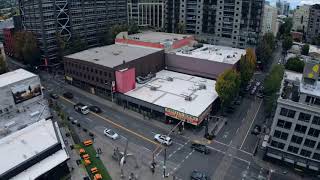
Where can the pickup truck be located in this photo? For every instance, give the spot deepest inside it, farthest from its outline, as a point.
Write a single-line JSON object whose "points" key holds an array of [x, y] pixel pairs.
{"points": [[81, 108]]}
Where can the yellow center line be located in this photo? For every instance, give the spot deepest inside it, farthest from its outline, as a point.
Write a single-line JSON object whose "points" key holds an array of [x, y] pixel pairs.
{"points": [[118, 125]]}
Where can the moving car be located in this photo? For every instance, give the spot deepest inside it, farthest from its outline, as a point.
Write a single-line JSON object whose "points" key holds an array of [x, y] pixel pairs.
{"points": [[95, 109], [68, 95], [198, 175], [256, 130], [110, 133], [54, 96], [163, 139], [81, 108], [200, 147]]}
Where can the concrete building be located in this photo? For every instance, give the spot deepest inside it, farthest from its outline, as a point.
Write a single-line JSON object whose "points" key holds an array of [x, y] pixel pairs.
{"points": [[223, 22], [210, 60], [85, 20], [283, 7], [95, 69], [269, 22], [313, 31], [301, 18], [296, 125], [31, 146]]}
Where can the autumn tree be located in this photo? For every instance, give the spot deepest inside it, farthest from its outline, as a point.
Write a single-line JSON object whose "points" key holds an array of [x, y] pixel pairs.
{"points": [[247, 66], [181, 28], [18, 45], [227, 86]]}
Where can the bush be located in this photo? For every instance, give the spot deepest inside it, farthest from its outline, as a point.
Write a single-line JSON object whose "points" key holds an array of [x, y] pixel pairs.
{"points": [[295, 64], [305, 49]]}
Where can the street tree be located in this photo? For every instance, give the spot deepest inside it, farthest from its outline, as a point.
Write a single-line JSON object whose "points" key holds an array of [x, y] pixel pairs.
{"points": [[285, 28], [295, 64], [227, 86], [133, 28], [78, 44], [3, 65], [269, 39], [31, 51], [18, 45], [305, 49], [264, 54], [287, 43], [181, 28], [247, 66], [116, 29]]}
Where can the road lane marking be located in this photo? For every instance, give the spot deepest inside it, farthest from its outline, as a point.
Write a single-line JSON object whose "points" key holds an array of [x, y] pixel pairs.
{"points": [[90, 120], [117, 125], [251, 125]]}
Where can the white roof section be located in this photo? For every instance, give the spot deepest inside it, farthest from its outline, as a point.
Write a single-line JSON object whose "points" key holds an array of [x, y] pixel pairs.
{"points": [[171, 94], [26, 143], [314, 49], [15, 76], [157, 37], [215, 53], [113, 55]]}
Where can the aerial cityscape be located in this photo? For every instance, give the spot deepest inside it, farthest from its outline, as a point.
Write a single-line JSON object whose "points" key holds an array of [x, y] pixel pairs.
{"points": [[159, 89]]}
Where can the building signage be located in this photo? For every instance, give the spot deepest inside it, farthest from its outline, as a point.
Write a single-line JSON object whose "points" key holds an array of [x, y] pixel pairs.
{"points": [[181, 116], [68, 78]]}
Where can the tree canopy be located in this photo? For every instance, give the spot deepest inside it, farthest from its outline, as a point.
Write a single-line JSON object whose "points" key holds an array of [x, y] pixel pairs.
{"points": [[287, 43], [295, 64], [3, 65], [227, 86], [305, 49], [247, 66], [264, 49], [285, 28]]}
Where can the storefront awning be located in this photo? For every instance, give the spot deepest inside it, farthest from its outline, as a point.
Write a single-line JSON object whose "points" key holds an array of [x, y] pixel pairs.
{"points": [[289, 160], [301, 164], [274, 156], [314, 168]]}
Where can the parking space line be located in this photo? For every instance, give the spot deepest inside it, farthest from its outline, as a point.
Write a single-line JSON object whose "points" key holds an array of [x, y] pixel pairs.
{"points": [[220, 143], [90, 120], [117, 125], [251, 125], [245, 152]]}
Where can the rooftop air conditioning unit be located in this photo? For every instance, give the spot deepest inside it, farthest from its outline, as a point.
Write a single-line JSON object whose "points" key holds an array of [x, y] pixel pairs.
{"points": [[188, 98], [153, 88], [202, 86], [169, 79]]}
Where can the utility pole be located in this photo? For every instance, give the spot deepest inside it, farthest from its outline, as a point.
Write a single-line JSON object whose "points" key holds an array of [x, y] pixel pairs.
{"points": [[123, 160], [164, 163]]}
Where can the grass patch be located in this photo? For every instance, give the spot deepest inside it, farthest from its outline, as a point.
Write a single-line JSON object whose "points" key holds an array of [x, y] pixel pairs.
{"points": [[95, 162]]}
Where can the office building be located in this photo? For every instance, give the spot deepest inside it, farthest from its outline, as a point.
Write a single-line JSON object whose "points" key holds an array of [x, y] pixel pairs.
{"points": [[269, 22], [296, 125], [283, 7], [313, 31], [301, 18], [85, 20], [224, 22]]}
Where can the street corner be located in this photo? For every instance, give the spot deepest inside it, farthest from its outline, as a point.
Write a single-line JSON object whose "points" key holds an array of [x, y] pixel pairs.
{"points": [[201, 141]]}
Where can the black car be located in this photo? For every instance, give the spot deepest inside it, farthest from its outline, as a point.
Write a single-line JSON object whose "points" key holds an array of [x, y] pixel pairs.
{"points": [[200, 147], [54, 96], [198, 175], [95, 109], [68, 95], [256, 130]]}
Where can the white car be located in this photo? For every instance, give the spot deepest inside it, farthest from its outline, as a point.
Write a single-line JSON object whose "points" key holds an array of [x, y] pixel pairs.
{"points": [[111, 134], [163, 139]]}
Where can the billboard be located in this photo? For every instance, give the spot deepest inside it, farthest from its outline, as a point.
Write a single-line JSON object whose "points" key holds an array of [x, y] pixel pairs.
{"points": [[181, 116], [26, 91]]}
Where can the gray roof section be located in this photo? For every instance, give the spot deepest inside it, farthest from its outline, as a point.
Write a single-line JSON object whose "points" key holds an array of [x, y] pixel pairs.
{"points": [[113, 55]]}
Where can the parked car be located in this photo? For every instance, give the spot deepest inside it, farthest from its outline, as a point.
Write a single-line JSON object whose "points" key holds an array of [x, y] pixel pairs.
{"points": [[253, 90], [95, 109], [256, 130], [68, 95], [111, 134], [54, 96], [200, 148], [163, 139], [199, 175], [258, 83]]}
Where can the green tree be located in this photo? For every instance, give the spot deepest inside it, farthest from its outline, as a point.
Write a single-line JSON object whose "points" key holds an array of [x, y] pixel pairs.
{"points": [[133, 28], [295, 64], [3, 65], [227, 86], [116, 29], [269, 39], [31, 51], [181, 28], [247, 66], [285, 28], [287, 43], [305, 49], [77, 44], [264, 54], [18, 45]]}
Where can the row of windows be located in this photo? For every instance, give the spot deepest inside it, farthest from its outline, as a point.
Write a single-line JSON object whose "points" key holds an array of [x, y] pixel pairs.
{"points": [[85, 68], [295, 150], [302, 116]]}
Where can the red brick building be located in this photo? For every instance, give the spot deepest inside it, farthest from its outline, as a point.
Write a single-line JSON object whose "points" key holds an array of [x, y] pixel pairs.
{"points": [[8, 34]]}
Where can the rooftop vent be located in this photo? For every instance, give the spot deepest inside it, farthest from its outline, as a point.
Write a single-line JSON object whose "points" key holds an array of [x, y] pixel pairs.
{"points": [[202, 86], [153, 88], [188, 98], [169, 79], [96, 59], [116, 53]]}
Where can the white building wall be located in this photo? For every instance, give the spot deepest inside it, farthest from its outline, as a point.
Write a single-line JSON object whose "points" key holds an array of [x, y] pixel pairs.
{"points": [[301, 18], [269, 23]]}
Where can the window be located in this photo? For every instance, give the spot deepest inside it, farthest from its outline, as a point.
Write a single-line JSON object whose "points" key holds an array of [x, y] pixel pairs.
{"points": [[284, 124], [314, 132], [91, 70], [316, 120], [277, 144], [96, 71], [280, 135], [296, 139], [309, 143], [301, 129], [316, 156], [304, 117], [308, 98], [293, 149], [305, 153], [287, 112]]}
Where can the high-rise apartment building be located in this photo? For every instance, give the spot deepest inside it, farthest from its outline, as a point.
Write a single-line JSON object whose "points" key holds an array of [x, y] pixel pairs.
{"points": [[269, 23], [301, 18], [313, 31], [86, 20], [296, 125], [235, 23]]}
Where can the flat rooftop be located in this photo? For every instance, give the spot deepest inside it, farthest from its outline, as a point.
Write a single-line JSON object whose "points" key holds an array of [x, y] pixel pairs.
{"points": [[13, 121], [171, 94], [113, 55], [27, 143], [157, 37], [215, 53], [14, 76]]}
